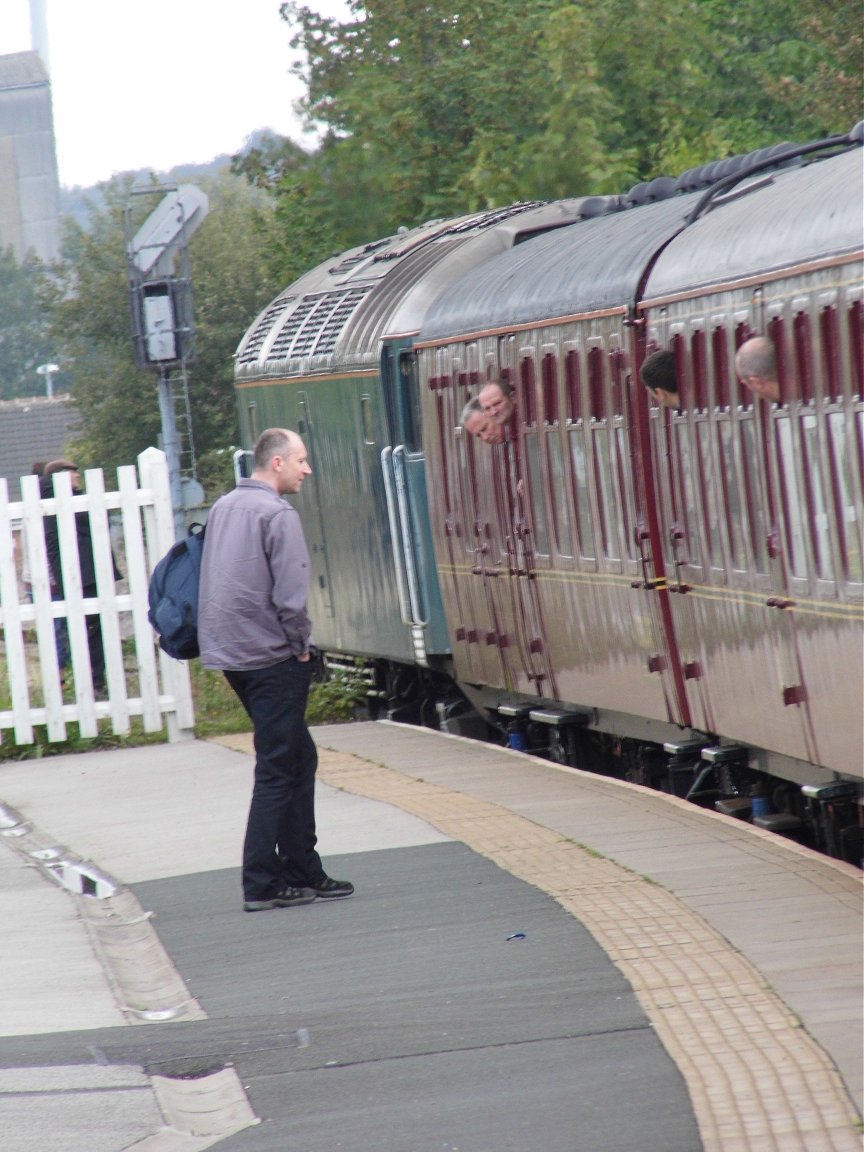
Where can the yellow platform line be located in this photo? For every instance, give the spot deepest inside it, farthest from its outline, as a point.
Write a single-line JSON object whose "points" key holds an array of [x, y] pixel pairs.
{"points": [[758, 1082]]}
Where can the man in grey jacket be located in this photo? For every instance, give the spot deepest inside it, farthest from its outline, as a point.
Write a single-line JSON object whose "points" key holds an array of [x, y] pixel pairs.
{"points": [[254, 627]]}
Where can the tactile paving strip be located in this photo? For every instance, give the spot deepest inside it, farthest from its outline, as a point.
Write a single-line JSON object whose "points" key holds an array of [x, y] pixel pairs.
{"points": [[758, 1081]]}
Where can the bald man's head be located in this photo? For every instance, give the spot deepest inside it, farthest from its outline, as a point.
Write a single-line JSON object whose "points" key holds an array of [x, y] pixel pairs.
{"points": [[756, 367]]}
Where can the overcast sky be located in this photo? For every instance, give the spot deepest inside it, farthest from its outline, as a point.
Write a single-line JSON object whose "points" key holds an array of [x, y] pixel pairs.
{"points": [[163, 82]]}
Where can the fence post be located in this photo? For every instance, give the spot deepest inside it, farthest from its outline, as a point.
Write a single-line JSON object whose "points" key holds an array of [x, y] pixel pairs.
{"points": [[159, 534]]}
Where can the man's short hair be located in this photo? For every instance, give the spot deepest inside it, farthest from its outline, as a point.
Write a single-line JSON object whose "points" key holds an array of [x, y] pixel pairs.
{"points": [[659, 370], [272, 442], [56, 466]]}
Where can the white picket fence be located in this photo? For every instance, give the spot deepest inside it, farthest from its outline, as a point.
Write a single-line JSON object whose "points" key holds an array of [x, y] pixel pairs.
{"points": [[148, 684]]}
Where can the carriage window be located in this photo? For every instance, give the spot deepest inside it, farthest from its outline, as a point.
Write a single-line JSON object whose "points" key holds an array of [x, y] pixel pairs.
{"points": [[550, 389], [744, 395], [441, 424], [573, 382], [603, 463], [816, 496], [752, 491], [539, 524], [792, 499], [578, 456], [558, 492], [802, 375], [710, 485], [732, 496], [856, 344], [848, 523], [605, 493], [699, 371], [677, 348], [410, 394], [252, 411], [528, 399], [465, 464], [579, 470], [721, 368], [625, 488], [776, 331], [830, 344], [596, 390], [367, 419], [682, 464]]}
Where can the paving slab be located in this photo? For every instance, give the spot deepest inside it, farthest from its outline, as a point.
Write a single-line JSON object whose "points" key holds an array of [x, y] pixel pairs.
{"points": [[533, 960]]}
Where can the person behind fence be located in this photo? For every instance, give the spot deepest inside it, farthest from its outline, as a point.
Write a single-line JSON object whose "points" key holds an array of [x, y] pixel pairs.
{"points": [[253, 626], [61, 634], [37, 470], [86, 562]]}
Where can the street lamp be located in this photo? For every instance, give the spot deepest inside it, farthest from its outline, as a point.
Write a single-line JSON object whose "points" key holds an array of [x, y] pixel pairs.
{"points": [[48, 370]]}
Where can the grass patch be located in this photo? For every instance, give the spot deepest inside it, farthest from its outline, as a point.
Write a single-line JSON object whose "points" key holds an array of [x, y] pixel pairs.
{"points": [[218, 712]]}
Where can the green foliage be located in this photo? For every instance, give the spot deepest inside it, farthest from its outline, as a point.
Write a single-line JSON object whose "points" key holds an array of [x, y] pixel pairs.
{"points": [[424, 111], [216, 472], [433, 111], [25, 342], [218, 712], [336, 700], [91, 320]]}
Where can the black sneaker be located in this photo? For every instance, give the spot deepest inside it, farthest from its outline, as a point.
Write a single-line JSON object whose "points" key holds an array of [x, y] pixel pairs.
{"points": [[287, 898], [328, 889]]}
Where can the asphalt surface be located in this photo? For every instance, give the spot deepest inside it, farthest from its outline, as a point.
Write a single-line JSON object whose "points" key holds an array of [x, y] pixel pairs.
{"points": [[535, 960], [447, 1005]]}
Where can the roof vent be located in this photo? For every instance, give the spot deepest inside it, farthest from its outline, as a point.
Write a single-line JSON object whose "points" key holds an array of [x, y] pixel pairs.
{"points": [[660, 188], [592, 206], [315, 325], [249, 352]]}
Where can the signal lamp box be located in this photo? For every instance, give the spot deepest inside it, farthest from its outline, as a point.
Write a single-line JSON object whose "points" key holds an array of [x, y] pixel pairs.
{"points": [[162, 311]]}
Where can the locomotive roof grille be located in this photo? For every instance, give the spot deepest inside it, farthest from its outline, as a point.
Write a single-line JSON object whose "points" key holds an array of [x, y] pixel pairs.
{"points": [[259, 333], [316, 323]]}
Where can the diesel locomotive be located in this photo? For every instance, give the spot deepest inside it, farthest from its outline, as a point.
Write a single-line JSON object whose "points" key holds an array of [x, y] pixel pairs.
{"points": [[671, 595]]}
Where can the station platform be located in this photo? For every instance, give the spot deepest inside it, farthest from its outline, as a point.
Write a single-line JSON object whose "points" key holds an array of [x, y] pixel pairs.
{"points": [[536, 960]]}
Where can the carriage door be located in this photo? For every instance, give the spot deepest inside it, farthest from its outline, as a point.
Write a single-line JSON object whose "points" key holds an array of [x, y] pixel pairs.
{"points": [[629, 539], [403, 464], [453, 484], [321, 603], [797, 502], [512, 530]]}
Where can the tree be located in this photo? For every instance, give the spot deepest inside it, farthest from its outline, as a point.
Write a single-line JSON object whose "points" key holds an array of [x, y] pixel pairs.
{"points": [[25, 342], [91, 320], [407, 88], [433, 110]]}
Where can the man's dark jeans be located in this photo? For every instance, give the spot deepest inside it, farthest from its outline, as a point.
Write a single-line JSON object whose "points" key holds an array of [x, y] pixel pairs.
{"points": [[279, 848]]}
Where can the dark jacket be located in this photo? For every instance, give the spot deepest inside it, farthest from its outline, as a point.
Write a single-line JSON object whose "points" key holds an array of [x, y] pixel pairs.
{"points": [[84, 541]]}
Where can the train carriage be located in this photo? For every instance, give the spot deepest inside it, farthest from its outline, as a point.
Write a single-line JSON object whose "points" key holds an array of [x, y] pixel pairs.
{"points": [[697, 570], [771, 587], [333, 357], [675, 596]]}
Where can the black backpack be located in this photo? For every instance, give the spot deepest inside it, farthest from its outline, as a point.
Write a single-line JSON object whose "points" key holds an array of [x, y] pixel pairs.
{"points": [[173, 596]]}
